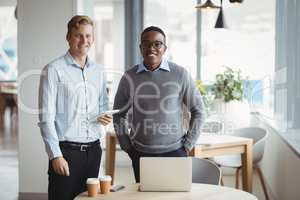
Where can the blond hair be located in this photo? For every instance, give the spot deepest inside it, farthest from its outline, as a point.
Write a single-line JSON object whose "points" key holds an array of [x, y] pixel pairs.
{"points": [[78, 20]]}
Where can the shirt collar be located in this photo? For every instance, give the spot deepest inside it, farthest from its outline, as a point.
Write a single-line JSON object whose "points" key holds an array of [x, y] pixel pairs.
{"points": [[164, 65], [70, 60]]}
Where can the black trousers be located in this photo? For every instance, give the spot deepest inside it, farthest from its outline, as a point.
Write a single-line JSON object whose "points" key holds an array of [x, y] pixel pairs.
{"points": [[83, 163], [136, 155]]}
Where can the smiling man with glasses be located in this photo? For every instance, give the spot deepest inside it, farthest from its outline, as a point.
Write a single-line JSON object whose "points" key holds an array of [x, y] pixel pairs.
{"points": [[152, 47], [156, 90]]}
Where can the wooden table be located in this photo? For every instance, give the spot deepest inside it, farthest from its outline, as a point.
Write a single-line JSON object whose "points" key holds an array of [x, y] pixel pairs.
{"points": [[207, 146], [8, 98], [217, 145], [198, 192]]}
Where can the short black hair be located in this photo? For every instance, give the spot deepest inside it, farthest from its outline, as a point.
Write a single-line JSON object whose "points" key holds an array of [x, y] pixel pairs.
{"points": [[153, 28]]}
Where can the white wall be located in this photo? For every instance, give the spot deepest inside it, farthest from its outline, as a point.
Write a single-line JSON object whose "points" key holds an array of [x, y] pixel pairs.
{"points": [[42, 25], [280, 166], [8, 2]]}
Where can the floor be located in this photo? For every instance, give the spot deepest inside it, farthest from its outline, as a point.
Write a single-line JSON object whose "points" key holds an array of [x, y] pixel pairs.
{"points": [[9, 166], [8, 159]]}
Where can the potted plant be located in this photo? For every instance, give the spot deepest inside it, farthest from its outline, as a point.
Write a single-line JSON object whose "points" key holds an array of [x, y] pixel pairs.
{"points": [[228, 85], [228, 105]]}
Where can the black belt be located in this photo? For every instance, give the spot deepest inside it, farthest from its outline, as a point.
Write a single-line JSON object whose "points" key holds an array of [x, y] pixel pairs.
{"points": [[79, 146]]}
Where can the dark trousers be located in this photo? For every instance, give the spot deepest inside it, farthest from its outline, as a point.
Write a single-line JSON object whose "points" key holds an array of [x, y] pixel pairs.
{"points": [[136, 155], [83, 163]]}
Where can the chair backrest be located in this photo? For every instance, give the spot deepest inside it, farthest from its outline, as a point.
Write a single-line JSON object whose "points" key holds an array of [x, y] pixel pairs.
{"points": [[205, 171], [259, 136]]}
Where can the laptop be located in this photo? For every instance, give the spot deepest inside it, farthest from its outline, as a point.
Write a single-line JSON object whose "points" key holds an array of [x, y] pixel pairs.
{"points": [[165, 173]]}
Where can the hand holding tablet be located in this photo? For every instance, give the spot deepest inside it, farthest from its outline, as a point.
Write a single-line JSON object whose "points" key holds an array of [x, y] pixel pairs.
{"points": [[106, 117]]}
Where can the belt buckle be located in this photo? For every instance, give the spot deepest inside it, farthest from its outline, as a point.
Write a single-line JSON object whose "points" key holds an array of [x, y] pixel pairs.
{"points": [[83, 147]]}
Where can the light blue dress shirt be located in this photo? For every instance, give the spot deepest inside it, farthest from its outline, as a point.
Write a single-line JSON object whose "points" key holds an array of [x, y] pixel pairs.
{"points": [[70, 99], [163, 65]]}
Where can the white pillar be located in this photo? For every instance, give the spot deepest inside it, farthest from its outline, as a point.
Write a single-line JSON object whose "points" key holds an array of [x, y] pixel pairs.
{"points": [[42, 26]]}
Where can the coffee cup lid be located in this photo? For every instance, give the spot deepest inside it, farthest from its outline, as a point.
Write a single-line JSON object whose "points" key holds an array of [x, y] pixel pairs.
{"points": [[92, 181], [105, 178]]}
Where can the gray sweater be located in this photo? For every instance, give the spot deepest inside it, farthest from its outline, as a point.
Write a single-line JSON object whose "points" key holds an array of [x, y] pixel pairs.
{"points": [[156, 99]]}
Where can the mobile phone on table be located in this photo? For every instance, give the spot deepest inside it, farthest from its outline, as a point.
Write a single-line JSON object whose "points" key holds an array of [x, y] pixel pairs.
{"points": [[116, 188]]}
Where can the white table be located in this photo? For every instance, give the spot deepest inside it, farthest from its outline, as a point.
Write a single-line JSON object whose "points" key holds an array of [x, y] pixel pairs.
{"points": [[198, 192]]}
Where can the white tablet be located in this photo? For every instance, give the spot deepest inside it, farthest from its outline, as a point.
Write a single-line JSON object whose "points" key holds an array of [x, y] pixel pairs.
{"points": [[109, 112]]}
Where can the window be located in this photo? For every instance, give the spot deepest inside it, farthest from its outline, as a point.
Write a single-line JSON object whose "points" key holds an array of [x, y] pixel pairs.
{"points": [[109, 40], [8, 44], [247, 44]]}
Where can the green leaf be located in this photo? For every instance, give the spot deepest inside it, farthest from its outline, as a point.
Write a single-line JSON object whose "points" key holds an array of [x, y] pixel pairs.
{"points": [[228, 85]]}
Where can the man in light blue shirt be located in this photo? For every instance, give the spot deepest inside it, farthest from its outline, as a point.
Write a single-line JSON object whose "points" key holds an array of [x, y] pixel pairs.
{"points": [[72, 94]]}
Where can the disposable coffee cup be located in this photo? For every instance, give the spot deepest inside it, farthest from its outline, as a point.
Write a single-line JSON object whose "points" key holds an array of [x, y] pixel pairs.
{"points": [[92, 186], [105, 184]]}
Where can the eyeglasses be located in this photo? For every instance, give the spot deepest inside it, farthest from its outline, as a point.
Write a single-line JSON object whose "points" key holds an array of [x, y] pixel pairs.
{"points": [[156, 45]]}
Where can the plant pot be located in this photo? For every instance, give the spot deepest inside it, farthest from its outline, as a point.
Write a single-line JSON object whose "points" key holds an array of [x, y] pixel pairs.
{"points": [[234, 114]]}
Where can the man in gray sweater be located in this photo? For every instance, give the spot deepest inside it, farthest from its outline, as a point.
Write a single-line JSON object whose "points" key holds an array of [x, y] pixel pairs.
{"points": [[156, 91]]}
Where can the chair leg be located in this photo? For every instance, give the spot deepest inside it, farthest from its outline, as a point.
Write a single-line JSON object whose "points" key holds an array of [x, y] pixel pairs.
{"points": [[222, 183], [261, 178], [237, 178]]}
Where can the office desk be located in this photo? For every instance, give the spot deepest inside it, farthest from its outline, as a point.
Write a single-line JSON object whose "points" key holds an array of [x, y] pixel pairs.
{"points": [[198, 191], [207, 146]]}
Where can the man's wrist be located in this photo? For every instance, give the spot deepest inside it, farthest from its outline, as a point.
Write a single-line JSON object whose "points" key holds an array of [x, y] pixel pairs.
{"points": [[187, 145], [186, 150], [56, 157]]}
